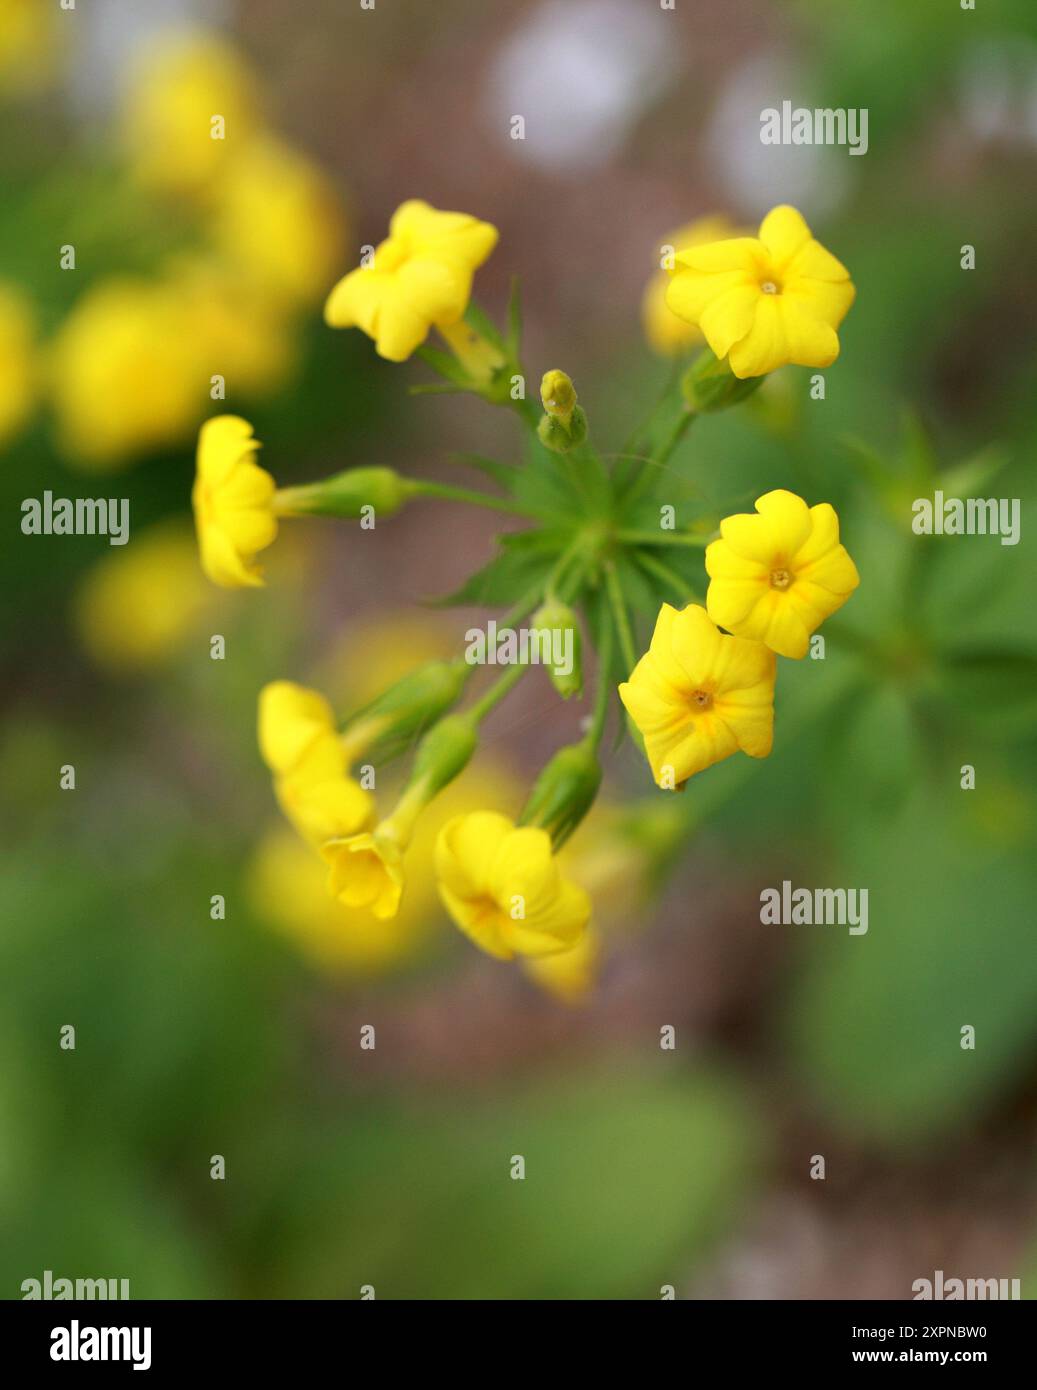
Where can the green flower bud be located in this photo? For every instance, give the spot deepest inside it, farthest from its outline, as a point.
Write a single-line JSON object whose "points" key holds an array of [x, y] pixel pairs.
{"points": [[346, 494], [443, 754], [565, 424], [709, 384], [564, 792], [394, 717], [552, 617]]}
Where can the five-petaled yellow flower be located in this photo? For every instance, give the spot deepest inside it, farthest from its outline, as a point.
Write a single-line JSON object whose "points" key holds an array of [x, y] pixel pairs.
{"points": [[233, 501], [420, 277], [698, 695], [776, 576], [767, 300], [503, 887], [310, 762]]}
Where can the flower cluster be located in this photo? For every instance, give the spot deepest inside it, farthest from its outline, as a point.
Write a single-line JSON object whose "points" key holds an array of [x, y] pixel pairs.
{"points": [[705, 687], [237, 234], [699, 694]]}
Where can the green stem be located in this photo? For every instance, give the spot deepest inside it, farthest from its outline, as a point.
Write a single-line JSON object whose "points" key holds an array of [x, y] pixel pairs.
{"points": [[604, 690], [668, 576], [426, 488], [496, 693], [566, 558], [673, 376], [621, 617], [640, 480], [529, 600]]}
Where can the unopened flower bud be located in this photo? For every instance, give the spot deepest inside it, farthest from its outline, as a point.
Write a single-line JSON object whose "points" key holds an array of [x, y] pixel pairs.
{"points": [[443, 754], [709, 384], [411, 704], [346, 494], [564, 426], [563, 645], [564, 792], [558, 395]]}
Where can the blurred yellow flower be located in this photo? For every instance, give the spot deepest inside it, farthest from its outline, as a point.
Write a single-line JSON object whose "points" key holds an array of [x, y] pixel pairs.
{"points": [[698, 696], [667, 333], [420, 277], [291, 719], [502, 886], [764, 301], [126, 374], [190, 107], [278, 219], [776, 576], [18, 361], [568, 975], [243, 334], [300, 743], [139, 604], [28, 40], [289, 887], [233, 500]]}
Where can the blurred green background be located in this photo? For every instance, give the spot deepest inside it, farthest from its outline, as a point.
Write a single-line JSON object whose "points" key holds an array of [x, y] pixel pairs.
{"points": [[241, 1037]]}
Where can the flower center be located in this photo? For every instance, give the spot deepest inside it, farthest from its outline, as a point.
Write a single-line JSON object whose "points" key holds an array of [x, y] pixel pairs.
{"points": [[702, 698], [780, 579], [769, 287]]}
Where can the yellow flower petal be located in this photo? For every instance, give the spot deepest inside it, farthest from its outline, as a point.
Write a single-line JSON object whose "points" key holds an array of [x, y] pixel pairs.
{"points": [[784, 233], [291, 717]]}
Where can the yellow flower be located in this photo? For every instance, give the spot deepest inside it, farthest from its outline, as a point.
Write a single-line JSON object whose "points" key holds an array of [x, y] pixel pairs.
{"points": [[698, 695], [301, 745], [420, 277], [141, 603], [289, 887], [367, 870], [279, 221], [127, 374], [503, 887], [18, 368], [177, 89], [667, 334], [767, 300], [288, 884], [568, 975], [29, 38], [776, 576], [233, 501], [245, 334]]}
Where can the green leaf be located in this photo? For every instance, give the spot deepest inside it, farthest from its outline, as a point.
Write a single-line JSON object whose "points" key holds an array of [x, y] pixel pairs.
{"points": [[875, 1022], [629, 1179], [445, 365], [502, 473], [508, 576], [479, 320], [996, 686], [969, 478]]}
